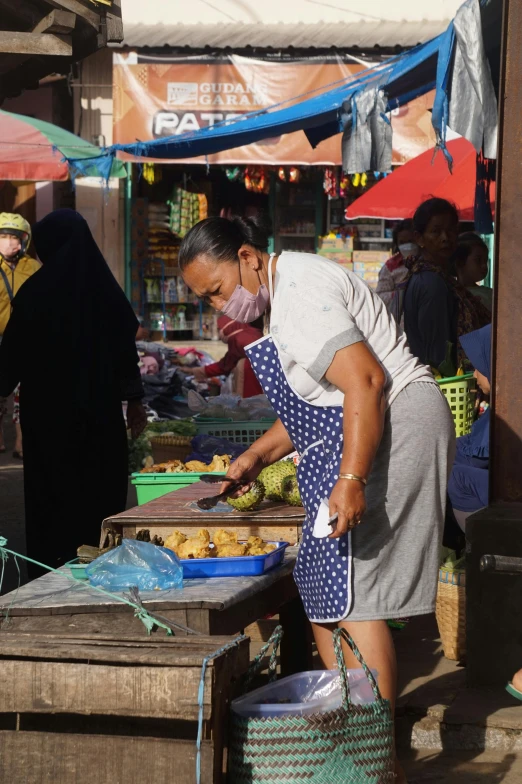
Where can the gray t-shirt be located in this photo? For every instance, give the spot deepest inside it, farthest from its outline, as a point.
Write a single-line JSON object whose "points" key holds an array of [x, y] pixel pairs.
{"points": [[320, 308]]}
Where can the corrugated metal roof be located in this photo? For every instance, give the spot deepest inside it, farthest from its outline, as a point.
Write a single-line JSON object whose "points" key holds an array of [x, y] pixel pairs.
{"points": [[282, 36], [268, 12]]}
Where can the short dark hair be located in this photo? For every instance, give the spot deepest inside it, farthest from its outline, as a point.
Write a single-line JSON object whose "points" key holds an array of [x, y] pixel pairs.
{"points": [[221, 238], [465, 244], [430, 209], [404, 225]]}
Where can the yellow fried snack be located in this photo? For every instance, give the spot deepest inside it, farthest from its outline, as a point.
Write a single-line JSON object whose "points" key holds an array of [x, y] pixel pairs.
{"points": [[204, 535], [253, 550], [193, 548], [255, 541], [173, 541], [225, 537], [219, 463], [197, 466], [269, 548], [230, 550], [174, 468]]}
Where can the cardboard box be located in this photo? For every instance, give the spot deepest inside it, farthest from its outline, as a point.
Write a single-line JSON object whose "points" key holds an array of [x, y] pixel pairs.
{"points": [[370, 256], [340, 256], [367, 267], [335, 244], [347, 266]]}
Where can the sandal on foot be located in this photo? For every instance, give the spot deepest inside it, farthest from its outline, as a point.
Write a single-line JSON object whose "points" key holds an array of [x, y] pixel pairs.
{"points": [[514, 692], [18, 455]]}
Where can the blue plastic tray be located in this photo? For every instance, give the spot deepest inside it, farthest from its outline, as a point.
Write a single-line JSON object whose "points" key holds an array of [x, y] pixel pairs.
{"points": [[242, 566]]}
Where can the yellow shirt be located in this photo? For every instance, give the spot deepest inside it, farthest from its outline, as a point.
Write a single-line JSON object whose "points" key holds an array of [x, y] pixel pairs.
{"points": [[24, 269]]}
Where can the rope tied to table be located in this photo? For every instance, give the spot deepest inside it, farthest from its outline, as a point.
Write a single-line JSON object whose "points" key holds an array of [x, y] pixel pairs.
{"points": [[148, 620]]}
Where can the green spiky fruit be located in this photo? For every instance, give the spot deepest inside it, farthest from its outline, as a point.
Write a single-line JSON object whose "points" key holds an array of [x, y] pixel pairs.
{"points": [[290, 492], [249, 501], [272, 478]]}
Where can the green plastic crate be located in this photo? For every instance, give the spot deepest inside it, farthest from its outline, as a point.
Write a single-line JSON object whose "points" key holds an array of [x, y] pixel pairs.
{"points": [[151, 486], [459, 392], [236, 432]]}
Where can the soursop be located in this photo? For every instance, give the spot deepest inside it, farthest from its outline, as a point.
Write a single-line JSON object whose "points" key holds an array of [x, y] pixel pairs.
{"points": [[272, 478], [290, 491], [249, 501]]}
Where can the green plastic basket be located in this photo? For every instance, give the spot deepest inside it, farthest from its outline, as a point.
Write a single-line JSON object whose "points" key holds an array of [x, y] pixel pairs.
{"points": [[459, 392], [151, 486], [236, 432]]}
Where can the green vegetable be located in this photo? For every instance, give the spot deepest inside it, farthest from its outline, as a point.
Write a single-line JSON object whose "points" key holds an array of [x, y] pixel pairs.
{"points": [[139, 449], [180, 427]]}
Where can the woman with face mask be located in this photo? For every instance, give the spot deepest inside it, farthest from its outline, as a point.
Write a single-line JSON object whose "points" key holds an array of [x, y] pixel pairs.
{"points": [[16, 267], [395, 272], [356, 405]]}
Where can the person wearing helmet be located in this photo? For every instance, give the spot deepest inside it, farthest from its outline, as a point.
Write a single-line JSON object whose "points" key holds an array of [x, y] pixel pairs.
{"points": [[15, 268]]}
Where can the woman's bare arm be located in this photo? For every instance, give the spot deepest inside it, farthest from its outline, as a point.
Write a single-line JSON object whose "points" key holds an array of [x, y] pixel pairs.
{"points": [[357, 373]]}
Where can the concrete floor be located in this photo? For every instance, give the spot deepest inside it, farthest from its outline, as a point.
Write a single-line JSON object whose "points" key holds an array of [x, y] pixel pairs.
{"points": [[462, 767]]}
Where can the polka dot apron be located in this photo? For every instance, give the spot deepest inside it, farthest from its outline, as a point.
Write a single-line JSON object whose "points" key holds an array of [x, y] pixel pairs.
{"points": [[323, 571]]}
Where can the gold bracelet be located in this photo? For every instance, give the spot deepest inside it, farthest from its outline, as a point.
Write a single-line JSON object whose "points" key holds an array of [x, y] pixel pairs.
{"points": [[354, 477]]}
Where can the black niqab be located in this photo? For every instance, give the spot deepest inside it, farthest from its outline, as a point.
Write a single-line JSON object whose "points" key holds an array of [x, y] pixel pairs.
{"points": [[70, 343]]}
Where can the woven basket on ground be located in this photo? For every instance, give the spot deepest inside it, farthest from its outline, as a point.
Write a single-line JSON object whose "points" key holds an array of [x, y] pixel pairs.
{"points": [[451, 613], [166, 448], [353, 743]]}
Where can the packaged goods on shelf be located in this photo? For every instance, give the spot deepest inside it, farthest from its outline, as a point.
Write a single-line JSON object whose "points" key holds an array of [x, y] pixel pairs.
{"points": [[328, 244]]}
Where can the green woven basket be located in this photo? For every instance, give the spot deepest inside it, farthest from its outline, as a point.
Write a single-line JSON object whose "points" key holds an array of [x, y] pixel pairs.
{"points": [[350, 745], [459, 391]]}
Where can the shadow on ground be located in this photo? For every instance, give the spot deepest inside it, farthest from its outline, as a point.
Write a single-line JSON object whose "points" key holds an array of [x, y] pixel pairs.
{"points": [[446, 732]]}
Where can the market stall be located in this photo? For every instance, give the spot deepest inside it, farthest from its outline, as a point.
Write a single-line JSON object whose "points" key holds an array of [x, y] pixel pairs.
{"points": [[157, 95]]}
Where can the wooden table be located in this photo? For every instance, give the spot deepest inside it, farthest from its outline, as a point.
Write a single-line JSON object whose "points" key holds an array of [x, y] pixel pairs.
{"points": [[177, 510], [221, 606]]}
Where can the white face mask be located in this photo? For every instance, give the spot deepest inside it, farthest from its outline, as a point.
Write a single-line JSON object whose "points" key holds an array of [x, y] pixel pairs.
{"points": [[408, 249]]}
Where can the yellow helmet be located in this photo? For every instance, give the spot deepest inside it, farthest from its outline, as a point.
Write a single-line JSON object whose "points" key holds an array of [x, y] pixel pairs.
{"points": [[12, 223]]}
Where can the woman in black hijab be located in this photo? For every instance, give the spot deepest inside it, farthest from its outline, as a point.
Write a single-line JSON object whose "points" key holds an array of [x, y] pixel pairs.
{"points": [[71, 329]]}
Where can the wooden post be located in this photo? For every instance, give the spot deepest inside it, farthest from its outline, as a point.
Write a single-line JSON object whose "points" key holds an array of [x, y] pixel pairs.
{"points": [[493, 600]]}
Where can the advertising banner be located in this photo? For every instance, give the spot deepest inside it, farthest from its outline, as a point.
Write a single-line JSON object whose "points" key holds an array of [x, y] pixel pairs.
{"points": [[155, 97]]}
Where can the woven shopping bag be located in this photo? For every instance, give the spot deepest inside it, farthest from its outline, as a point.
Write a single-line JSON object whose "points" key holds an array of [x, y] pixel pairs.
{"points": [[350, 745]]}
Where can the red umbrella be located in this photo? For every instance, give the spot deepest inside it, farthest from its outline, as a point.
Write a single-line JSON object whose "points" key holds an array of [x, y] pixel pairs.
{"points": [[398, 195]]}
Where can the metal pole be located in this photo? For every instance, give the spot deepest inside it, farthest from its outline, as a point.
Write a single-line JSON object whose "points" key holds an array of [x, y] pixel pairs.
{"points": [[506, 431], [128, 229], [493, 640]]}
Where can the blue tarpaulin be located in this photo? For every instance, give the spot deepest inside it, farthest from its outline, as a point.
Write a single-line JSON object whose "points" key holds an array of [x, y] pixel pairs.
{"points": [[401, 78]]}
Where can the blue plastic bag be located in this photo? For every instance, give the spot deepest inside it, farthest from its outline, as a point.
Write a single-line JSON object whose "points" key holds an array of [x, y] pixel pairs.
{"points": [[145, 565]]}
